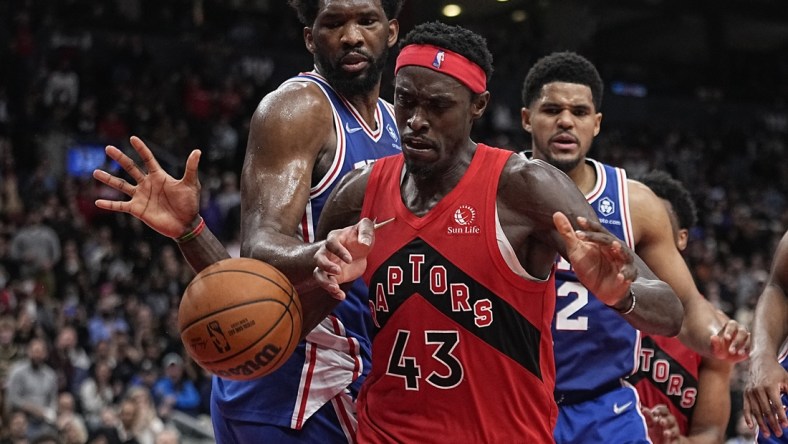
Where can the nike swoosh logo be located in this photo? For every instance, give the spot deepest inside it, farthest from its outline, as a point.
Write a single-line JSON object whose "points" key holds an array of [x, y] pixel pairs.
{"points": [[619, 410], [351, 130]]}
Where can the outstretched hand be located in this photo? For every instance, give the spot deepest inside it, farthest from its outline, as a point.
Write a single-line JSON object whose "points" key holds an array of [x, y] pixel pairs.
{"points": [[598, 258], [167, 205], [731, 343], [343, 256]]}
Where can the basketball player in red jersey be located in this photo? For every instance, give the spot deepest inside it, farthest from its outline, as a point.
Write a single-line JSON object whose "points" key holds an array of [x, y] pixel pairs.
{"points": [[460, 279], [686, 396]]}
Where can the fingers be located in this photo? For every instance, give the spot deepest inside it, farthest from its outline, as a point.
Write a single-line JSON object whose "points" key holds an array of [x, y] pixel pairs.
{"points": [[329, 283], [125, 162], [565, 229], [767, 410], [738, 337], [151, 164], [114, 205], [327, 261], [114, 182], [366, 232], [747, 411], [190, 175]]}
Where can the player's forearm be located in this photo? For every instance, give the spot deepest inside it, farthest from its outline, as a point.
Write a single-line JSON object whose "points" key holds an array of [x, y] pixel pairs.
{"points": [[291, 256], [701, 322], [656, 308], [770, 325], [201, 248]]}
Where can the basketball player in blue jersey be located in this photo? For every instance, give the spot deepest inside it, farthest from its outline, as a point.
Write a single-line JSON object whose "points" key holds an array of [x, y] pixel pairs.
{"points": [[766, 391], [595, 346], [304, 137]]}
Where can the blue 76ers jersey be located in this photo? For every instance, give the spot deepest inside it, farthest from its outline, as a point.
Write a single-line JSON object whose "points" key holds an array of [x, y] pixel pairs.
{"points": [[594, 346], [336, 355]]}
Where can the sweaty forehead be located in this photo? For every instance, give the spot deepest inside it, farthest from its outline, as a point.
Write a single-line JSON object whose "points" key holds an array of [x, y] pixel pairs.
{"points": [[328, 7], [566, 93]]}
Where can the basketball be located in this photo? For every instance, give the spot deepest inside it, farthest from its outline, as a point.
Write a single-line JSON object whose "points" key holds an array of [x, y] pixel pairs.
{"points": [[240, 318]]}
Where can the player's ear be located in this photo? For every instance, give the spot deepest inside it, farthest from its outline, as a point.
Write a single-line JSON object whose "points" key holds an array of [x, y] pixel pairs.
{"points": [[525, 118], [683, 239], [309, 40], [393, 32], [479, 104]]}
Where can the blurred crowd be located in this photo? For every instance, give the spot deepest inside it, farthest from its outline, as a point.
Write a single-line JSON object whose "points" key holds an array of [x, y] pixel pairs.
{"points": [[89, 347]]}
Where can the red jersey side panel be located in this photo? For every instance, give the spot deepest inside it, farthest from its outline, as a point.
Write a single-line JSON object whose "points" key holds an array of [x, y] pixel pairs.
{"points": [[464, 349]]}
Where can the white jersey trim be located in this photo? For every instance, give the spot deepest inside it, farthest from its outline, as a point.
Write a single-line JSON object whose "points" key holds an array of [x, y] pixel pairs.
{"points": [[332, 363]]}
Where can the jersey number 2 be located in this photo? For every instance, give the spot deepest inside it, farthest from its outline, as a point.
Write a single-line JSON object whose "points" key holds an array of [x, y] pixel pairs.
{"points": [[565, 318]]}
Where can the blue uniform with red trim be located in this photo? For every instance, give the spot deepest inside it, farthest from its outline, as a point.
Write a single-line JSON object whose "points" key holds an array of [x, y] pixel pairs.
{"points": [[594, 346], [311, 397]]}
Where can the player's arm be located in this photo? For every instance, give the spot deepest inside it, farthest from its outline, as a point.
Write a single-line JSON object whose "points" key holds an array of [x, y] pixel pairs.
{"points": [[287, 136], [344, 243], [656, 246], [713, 404], [766, 378], [539, 190]]}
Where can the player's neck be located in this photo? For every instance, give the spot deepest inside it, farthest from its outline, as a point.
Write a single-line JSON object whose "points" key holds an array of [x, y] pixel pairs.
{"points": [[366, 105], [584, 176]]}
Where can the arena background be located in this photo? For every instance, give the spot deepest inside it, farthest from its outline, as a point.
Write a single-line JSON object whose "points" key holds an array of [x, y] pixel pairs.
{"points": [[696, 88]]}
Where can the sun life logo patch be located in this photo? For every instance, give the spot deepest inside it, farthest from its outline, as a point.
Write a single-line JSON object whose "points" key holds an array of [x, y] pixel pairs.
{"points": [[464, 216]]}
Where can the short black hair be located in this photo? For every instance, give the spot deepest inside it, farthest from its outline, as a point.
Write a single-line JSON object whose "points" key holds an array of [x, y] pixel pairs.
{"points": [[672, 190], [457, 39], [307, 10], [565, 66]]}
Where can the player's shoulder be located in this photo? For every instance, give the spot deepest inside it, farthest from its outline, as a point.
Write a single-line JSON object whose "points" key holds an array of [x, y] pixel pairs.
{"points": [[294, 100], [534, 173]]}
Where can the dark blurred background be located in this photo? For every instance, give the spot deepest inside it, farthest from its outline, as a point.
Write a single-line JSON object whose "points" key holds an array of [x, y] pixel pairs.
{"points": [[698, 89]]}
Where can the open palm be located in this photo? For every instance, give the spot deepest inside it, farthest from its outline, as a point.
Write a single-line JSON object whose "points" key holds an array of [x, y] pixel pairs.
{"points": [[167, 205]]}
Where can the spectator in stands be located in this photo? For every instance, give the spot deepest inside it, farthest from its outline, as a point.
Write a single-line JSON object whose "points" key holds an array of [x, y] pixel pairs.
{"points": [[168, 436], [18, 429], [69, 360], [103, 325], [32, 388], [36, 247], [9, 349], [96, 393], [147, 422], [173, 391]]}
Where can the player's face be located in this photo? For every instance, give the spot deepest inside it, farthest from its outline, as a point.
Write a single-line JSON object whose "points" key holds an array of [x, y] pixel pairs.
{"points": [[350, 40], [434, 114], [563, 123]]}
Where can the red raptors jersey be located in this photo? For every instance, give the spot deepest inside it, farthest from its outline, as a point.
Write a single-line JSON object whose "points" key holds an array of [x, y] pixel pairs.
{"points": [[668, 374], [463, 351]]}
